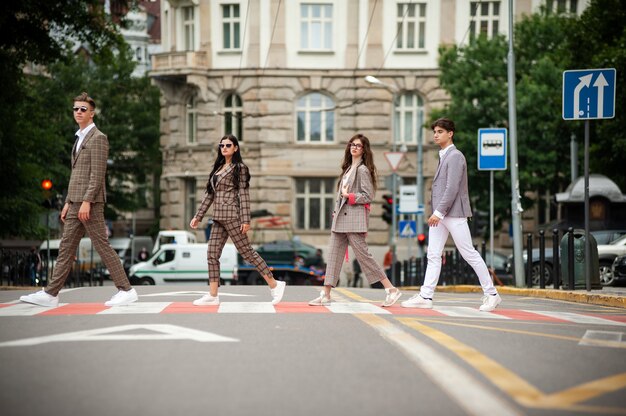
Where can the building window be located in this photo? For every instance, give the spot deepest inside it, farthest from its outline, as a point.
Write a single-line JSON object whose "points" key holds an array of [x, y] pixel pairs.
{"points": [[231, 26], [484, 18], [192, 119], [411, 26], [190, 199], [314, 203], [408, 117], [188, 26], [562, 6], [316, 26], [233, 116], [316, 119]]}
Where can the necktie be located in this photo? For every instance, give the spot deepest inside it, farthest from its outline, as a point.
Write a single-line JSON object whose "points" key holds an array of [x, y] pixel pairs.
{"points": [[75, 145]]}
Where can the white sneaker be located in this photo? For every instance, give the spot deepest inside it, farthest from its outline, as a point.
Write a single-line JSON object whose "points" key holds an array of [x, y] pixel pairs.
{"points": [[418, 302], [392, 297], [122, 297], [207, 300], [490, 302], [41, 298], [278, 292], [321, 300]]}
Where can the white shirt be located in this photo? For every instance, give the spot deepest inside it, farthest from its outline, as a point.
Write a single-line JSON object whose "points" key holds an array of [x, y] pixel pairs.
{"points": [[442, 152], [82, 133]]}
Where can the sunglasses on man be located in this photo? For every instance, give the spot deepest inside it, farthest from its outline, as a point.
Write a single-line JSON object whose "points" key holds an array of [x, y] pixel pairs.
{"points": [[82, 109], [225, 145]]}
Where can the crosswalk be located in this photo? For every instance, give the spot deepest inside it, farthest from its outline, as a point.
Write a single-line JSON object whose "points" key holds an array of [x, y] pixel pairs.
{"points": [[65, 309]]}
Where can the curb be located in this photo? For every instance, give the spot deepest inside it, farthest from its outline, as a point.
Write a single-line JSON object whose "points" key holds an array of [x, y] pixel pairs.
{"points": [[615, 301]]}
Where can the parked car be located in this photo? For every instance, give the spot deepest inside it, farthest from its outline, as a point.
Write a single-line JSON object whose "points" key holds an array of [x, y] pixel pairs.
{"points": [[286, 260], [606, 255], [606, 261], [618, 270]]}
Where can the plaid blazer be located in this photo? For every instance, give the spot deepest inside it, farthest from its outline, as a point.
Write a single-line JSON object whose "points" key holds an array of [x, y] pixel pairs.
{"points": [[450, 194], [351, 215], [228, 202], [89, 167]]}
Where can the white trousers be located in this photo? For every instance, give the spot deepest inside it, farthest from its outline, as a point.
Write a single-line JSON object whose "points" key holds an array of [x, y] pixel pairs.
{"points": [[437, 236]]}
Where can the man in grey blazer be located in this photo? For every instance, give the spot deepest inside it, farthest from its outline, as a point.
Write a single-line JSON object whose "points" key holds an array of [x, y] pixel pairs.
{"points": [[451, 208], [84, 211]]}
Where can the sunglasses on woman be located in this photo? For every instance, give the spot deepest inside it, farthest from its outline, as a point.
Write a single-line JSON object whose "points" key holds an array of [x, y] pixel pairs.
{"points": [[225, 145]]}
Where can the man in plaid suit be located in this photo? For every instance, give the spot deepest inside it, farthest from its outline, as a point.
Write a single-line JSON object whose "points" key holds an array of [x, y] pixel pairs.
{"points": [[84, 211]]}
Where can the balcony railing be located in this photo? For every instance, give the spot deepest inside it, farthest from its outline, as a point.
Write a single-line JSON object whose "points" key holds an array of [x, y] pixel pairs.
{"points": [[179, 60]]}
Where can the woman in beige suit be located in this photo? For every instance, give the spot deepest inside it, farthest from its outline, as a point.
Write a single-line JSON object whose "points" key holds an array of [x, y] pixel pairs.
{"points": [[228, 190], [355, 190]]}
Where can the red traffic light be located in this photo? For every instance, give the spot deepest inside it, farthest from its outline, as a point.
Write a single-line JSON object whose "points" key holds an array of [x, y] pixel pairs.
{"points": [[421, 239], [46, 184]]}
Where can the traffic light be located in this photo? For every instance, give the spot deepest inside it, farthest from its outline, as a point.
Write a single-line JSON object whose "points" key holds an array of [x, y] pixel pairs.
{"points": [[46, 186], [421, 239], [388, 208]]}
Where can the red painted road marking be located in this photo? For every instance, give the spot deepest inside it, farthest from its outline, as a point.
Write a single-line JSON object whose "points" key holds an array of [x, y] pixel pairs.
{"points": [[526, 316], [399, 310], [76, 309], [299, 307], [188, 307]]}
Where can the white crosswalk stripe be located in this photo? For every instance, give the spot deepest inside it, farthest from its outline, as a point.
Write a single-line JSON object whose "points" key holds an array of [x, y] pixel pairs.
{"points": [[578, 318], [136, 308], [466, 312]]}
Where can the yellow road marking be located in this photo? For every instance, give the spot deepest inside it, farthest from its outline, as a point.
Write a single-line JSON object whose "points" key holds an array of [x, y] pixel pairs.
{"points": [[518, 388]]}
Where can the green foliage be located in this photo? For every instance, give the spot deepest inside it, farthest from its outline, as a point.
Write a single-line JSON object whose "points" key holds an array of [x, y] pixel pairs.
{"points": [[476, 78]]}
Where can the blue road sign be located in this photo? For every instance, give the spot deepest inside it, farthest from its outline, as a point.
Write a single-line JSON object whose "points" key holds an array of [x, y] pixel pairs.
{"points": [[407, 229], [589, 94], [492, 149]]}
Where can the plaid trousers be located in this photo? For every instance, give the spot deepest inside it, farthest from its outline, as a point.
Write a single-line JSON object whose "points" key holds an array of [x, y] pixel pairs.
{"points": [[337, 251], [73, 231], [220, 231]]}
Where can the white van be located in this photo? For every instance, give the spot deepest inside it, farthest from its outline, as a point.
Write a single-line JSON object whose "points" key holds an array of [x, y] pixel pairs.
{"points": [[173, 237], [174, 263]]}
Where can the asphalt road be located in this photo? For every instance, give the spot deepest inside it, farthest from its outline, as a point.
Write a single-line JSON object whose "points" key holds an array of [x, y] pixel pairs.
{"points": [[163, 356]]}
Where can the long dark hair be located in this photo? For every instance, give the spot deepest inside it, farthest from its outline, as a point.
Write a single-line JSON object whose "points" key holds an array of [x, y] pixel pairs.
{"points": [[237, 161], [367, 159]]}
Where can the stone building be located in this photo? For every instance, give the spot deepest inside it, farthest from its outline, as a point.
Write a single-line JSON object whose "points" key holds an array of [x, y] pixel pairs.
{"points": [[288, 79]]}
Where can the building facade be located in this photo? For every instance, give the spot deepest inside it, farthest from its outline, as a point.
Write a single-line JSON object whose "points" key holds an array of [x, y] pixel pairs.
{"points": [[287, 77]]}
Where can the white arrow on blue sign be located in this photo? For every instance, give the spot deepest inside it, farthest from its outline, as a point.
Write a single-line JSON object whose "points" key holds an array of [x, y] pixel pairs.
{"points": [[589, 94]]}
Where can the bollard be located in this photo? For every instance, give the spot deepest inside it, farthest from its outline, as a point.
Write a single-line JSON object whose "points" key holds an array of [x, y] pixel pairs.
{"points": [[570, 259], [529, 260], [542, 259], [556, 262]]}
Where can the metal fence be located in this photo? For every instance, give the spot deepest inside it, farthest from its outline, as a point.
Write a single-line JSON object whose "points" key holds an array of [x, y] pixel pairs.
{"points": [[16, 269]]}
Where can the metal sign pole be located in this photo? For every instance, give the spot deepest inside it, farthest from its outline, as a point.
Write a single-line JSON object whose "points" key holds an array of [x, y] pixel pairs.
{"points": [[587, 242], [491, 217]]}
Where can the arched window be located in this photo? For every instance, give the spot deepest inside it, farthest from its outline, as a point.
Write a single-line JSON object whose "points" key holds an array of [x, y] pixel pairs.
{"points": [[192, 119], [233, 116], [316, 119], [408, 117]]}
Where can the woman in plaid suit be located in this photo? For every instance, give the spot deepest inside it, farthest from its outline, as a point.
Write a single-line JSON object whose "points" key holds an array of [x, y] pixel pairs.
{"points": [[355, 190], [228, 190]]}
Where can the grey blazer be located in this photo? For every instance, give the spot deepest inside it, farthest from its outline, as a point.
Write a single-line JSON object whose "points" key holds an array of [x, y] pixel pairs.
{"points": [[351, 215], [450, 194]]}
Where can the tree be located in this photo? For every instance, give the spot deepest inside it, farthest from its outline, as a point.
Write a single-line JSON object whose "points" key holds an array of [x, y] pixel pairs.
{"points": [[476, 78], [599, 42]]}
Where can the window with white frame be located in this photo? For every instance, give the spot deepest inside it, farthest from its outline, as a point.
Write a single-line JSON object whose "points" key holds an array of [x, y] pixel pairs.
{"points": [[316, 119], [233, 116], [314, 203], [562, 6], [231, 27], [408, 117], [316, 26], [411, 26], [188, 27], [484, 18], [190, 199], [191, 115]]}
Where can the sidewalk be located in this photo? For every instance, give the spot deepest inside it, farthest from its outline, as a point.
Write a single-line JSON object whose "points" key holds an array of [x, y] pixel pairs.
{"points": [[608, 296]]}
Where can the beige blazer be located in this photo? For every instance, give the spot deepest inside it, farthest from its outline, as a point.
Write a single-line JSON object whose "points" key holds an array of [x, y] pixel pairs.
{"points": [[228, 203], [351, 215], [89, 167], [450, 194]]}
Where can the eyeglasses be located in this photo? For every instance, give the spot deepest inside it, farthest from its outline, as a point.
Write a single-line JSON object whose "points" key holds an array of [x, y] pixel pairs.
{"points": [[82, 109], [356, 145], [226, 145]]}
